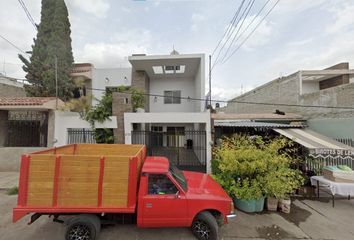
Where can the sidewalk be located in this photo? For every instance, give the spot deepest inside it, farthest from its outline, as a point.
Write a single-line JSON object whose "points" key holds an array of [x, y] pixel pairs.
{"points": [[8, 180]]}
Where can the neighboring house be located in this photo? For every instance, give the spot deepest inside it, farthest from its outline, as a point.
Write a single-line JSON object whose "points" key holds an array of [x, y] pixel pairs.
{"points": [[26, 124], [11, 87], [97, 80], [172, 124], [331, 87]]}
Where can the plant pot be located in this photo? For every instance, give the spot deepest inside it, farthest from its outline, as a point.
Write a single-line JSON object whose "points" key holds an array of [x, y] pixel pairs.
{"points": [[272, 203], [284, 205], [254, 205]]}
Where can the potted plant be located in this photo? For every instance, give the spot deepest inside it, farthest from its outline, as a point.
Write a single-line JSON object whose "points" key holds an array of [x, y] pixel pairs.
{"points": [[279, 184], [250, 168]]}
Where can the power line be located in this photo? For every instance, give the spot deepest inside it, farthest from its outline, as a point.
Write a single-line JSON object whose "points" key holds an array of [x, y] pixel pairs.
{"points": [[246, 28], [238, 30], [233, 26], [234, 101], [28, 14], [12, 44], [248, 36], [229, 26]]}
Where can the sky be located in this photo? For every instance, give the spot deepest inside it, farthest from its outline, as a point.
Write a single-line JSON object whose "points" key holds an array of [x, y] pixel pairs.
{"points": [[297, 34]]}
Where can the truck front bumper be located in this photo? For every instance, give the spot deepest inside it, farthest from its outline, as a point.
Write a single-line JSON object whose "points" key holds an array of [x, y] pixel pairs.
{"points": [[230, 217]]}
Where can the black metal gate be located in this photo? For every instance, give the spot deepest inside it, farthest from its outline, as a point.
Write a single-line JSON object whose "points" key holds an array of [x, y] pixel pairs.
{"points": [[186, 149], [27, 129]]}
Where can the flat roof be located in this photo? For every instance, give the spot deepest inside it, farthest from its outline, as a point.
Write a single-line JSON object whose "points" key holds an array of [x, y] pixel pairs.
{"points": [[155, 65]]}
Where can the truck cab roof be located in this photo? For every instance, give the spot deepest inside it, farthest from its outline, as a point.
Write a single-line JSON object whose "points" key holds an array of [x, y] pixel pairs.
{"points": [[156, 165]]}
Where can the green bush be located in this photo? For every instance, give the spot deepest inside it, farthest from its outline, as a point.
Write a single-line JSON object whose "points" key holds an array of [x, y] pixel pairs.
{"points": [[12, 191], [249, 168]]}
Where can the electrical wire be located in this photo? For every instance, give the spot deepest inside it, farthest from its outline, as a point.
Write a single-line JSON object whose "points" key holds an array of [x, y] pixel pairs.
{"points": [[28, 14], [12, 44], [248, 36], [232, 101], [250, 23], [229, 27], [233, 26]]}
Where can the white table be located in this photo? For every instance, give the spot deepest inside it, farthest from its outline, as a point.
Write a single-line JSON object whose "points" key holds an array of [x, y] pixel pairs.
{"points": [[335, 188]]}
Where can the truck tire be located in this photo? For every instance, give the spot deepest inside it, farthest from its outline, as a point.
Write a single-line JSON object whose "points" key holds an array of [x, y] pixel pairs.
{"points": [[83, 227], [205, 227]]}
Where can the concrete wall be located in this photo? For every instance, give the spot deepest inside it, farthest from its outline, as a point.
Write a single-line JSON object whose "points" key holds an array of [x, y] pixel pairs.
{"points": [[283, 90], [199, 81], [310, 87], [334, 128], [115, 77], [141, 81], [66, 120], [7, 90], [187, 88], [3, 127], [10, 157], [337, 96]]}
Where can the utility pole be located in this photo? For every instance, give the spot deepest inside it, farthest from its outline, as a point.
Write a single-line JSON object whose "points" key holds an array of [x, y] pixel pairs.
{"points": [[210, 81], [56, 82]]}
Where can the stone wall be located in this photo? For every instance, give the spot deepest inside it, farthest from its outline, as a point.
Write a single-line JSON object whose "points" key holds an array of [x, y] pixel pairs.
{"points": [[140, 80], [121, 103]]}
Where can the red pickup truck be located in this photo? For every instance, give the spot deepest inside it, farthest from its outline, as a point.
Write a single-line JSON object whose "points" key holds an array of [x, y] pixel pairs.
{"points": [[90, 184]]}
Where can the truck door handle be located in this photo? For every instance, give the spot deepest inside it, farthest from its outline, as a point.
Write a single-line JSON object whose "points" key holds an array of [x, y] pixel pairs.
{"points": [[149, 205]]}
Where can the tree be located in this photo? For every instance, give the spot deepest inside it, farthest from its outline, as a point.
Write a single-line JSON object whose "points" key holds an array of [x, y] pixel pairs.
{"points": [[53, 40]]}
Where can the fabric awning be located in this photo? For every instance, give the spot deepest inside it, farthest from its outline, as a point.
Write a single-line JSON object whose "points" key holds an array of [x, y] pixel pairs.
{"points": [[311, 139]]}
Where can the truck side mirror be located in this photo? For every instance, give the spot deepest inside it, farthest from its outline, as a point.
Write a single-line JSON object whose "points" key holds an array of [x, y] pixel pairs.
{"points": [[177, 195]]}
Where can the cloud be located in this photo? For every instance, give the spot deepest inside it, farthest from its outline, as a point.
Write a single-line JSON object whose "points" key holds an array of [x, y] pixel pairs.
{"points": [[114, 52], [196, 20], [343, 15], [299, 43], [292, 6], [99, 8], [224, 93]]}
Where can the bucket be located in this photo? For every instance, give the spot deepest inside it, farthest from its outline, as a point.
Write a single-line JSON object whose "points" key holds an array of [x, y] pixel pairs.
{"points": [[284, 205], [272, 203]]}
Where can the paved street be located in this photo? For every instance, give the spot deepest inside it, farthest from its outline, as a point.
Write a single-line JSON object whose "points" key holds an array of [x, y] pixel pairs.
{"points": [[309, 219]]}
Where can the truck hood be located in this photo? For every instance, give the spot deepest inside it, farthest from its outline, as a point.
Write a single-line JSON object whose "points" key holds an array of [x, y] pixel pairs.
{"points": [[201, 183]]}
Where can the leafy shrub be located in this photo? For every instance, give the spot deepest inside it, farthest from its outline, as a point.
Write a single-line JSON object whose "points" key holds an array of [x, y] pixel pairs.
{"points": [[249, 168]]}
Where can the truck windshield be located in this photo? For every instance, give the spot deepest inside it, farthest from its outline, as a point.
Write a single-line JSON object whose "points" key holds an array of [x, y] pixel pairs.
{"points": [[178, 175]]}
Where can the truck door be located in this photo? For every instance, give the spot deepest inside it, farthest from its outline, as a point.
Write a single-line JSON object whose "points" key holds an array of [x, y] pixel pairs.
{"points": [[164, 205]]}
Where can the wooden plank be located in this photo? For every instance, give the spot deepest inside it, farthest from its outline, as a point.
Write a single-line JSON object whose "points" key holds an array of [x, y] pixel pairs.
{"points": [[40, 180]]}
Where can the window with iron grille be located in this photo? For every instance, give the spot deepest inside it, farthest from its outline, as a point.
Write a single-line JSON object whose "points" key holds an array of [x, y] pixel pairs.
{"points": [[172, 97]]}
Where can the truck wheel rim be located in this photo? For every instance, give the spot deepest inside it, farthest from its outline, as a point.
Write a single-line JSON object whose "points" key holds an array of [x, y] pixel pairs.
{"points": [[79, 232], [202, 229]]}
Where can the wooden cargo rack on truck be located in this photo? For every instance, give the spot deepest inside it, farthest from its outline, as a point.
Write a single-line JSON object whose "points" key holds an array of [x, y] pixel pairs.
{"points": [[78, 178]]}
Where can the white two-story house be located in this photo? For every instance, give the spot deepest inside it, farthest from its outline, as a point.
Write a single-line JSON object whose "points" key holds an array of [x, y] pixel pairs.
{"points": [[175, 122]]}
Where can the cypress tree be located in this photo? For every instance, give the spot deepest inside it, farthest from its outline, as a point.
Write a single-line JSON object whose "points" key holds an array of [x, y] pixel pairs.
{"points": [[53, 39]]}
